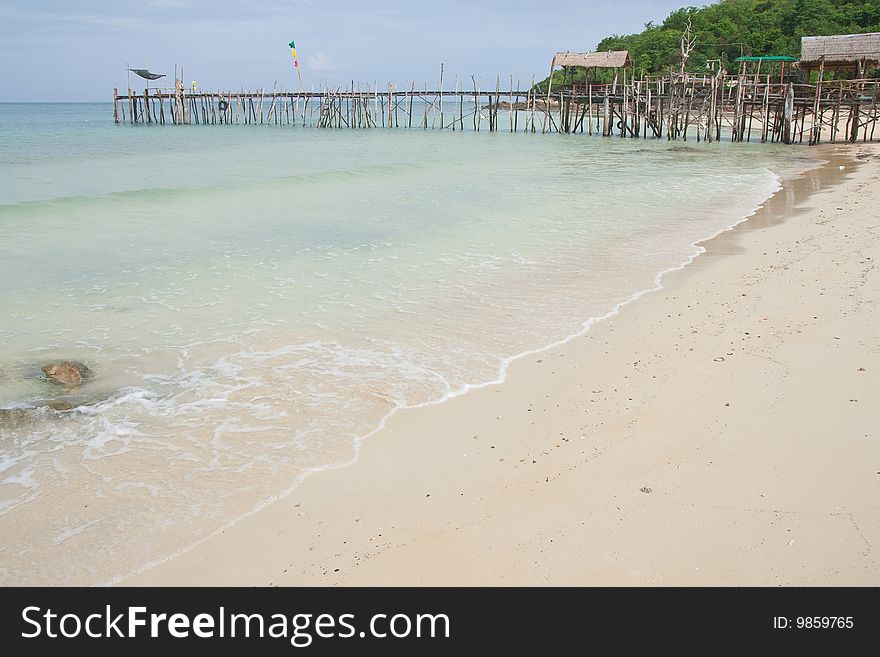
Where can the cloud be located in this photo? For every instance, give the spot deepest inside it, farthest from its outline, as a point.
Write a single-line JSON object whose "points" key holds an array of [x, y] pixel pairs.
{"points": [[320, 62]]}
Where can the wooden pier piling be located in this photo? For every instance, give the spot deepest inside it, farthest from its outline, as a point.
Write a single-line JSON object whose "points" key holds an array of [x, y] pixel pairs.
{"points": [[678, 106]]}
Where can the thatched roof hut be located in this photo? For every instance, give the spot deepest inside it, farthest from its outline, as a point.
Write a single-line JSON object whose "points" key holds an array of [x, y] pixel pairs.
{"points": [[610, 59], [840, 51]]}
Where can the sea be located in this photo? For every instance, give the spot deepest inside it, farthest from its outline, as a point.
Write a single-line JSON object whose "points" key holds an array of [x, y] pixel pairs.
{"points": [[256, 300]]}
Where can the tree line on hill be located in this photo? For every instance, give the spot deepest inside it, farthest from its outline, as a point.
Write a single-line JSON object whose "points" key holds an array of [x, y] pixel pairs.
{"points": [[730, 29]]}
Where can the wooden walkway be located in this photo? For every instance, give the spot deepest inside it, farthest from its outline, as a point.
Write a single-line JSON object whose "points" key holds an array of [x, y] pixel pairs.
{"points": [[683, 107]]}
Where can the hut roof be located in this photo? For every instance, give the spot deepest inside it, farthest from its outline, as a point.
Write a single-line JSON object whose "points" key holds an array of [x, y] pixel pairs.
{"points": [[842, 49], [611, 59]]}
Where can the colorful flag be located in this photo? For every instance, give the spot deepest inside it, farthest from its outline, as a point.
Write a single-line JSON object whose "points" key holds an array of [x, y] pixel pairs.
{"points": [[295, 62]]}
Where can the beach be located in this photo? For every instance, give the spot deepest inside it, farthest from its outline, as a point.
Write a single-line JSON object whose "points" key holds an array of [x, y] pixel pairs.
{"points": [[245, 328], [721, 430]]}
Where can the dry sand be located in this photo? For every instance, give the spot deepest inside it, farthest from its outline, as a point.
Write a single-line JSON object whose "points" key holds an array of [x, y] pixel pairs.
{"points": [[723, 430]]}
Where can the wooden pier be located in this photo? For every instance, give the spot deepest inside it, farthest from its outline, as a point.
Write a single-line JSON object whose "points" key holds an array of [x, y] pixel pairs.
{"points": [[739, 108]]}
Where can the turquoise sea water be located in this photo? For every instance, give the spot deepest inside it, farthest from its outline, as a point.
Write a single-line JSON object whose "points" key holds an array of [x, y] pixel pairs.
{"points": [[253, 299]]}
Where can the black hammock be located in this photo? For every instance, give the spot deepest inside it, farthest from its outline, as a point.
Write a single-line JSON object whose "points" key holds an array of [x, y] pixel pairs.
{"points": [[146, 75]]}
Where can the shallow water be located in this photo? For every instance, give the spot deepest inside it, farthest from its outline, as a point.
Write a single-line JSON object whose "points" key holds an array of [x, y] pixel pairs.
{"points": [[253, 299]]}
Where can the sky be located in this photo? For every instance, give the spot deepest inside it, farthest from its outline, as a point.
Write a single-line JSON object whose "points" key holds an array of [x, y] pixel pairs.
{"points": [[78, 50]]}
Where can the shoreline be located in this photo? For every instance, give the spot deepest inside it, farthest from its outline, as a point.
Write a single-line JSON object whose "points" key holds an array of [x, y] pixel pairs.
{"points": [[698, 250], [219, 558]]}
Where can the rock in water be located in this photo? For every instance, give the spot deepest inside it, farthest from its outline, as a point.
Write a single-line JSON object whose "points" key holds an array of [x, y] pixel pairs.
{"points": [[68, 372]]}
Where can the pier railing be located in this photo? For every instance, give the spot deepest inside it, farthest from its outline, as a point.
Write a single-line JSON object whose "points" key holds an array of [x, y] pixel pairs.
{"points": [[681, 107]]}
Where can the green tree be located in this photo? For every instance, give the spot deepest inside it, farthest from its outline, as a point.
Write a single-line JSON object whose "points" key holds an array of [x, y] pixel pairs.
{"points": [[731, 28]]}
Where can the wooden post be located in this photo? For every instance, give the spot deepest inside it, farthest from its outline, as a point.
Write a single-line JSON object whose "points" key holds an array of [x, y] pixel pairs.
{"points": [[803, 111], [687, 114], [647, 114], [477, 109], [787, 112], [856, 108], [375, 99], [510, 103], [765, 111], [736, 132], [115, 105], [835, 112], [532, 89], [183, 105], [425, 103], [490, 112], [590, 96], [273, 110], [454, 98], [497, 98], [306, 105], [547, 107], [816, 132], [711, 112], [460, 108], [873, 110], [390, 116], [657, 111], [441, 95], [751, 112], [606, 118]]}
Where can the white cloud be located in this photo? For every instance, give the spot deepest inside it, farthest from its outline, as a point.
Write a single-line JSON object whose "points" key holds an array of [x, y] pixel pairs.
{"points": [[320, 62]]}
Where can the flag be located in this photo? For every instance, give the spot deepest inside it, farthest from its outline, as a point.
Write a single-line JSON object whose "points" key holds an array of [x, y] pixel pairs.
{"points": [[295, 62]]}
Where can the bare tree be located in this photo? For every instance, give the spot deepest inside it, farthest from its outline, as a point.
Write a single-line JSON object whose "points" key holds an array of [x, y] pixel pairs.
{"points": [[687, 44]]}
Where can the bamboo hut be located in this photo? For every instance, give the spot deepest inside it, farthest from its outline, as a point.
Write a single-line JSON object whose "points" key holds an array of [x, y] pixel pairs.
{"points": [[844, 52], [612, 59], [841, 52]]}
